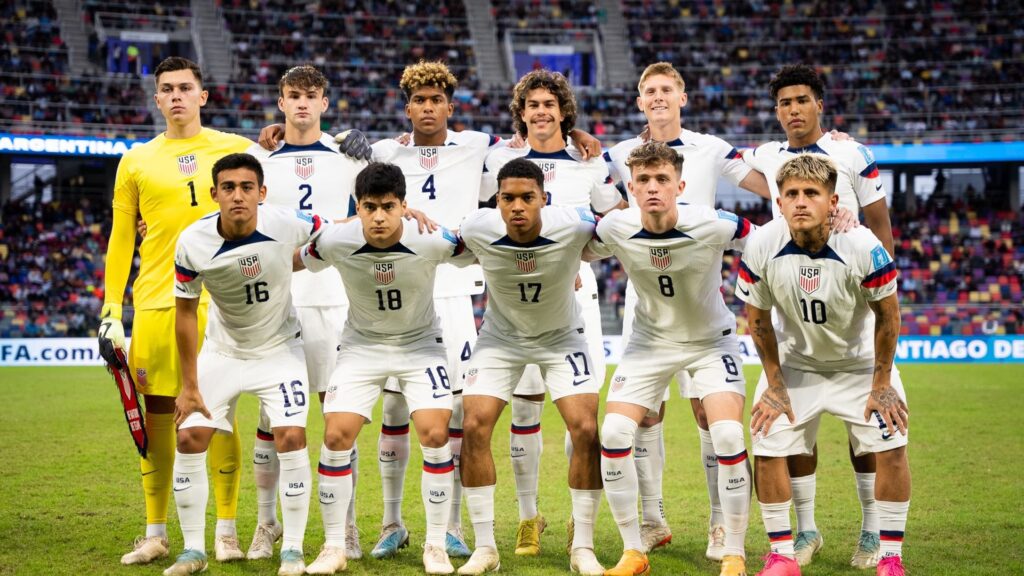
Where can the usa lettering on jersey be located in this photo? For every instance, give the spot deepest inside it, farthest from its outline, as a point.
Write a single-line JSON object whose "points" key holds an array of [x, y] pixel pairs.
{"points": [[810, 278], [526, 262], [429, 158], [250, 266], [661, 258], [188, 165], [304, 167], [384, 273]]}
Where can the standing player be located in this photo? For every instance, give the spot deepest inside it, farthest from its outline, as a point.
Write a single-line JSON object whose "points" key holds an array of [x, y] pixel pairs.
{"points": [[544, 112], [709, 159], [529, 254], [673, 253], [798, 93], [164, 182], [305, 172], [244, 256], [838, 317], [392, 331]]}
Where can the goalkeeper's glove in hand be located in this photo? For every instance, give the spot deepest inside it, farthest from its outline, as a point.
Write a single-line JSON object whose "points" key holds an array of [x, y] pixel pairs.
{"points": [[111, 334]]}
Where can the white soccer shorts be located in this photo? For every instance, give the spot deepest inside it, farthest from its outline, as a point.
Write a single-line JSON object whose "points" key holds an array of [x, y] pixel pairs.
{"points": [[648, 364], [561, 356], [811, 394], [420, 369], [278, 379], [686, 389], [458, 328], [321, 338]]}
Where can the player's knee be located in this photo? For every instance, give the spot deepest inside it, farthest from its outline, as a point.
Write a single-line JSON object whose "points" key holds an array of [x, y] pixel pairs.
{"points": [[892, 460], [435, 437], [727, 437], [584, 433], [336, 439], [700, 416], [618, 431], [190, 441], [290, 438]]}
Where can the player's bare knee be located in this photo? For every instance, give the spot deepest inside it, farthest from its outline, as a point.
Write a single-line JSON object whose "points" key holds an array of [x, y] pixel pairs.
{"points": [[336, 439], [800, 465], [892, 459], [699, 415], [434, 437], [584, 434], [289, 438], [192, 441]]}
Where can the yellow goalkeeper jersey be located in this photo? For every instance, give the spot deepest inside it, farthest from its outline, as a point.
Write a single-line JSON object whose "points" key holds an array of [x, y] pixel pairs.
{"points": [[167, 182]]}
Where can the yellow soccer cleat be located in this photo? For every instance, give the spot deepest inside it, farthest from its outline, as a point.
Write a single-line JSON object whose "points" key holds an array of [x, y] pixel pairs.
{"points": [[528, 536], [733, 566], [632, 563]]}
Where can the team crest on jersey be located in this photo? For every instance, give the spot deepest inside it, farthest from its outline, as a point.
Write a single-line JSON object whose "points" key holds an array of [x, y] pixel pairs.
{"points": [[188, 165], [471, 377], [384, 272], [660, 258], [618, 382], [304, 167], [428, 158], [250, 265], [810, 278], [548, 168], [526, 261]]}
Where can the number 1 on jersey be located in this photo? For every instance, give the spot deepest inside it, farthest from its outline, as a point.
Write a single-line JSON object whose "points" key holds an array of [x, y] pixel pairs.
{"points": [[192, 191], [428, 188]]}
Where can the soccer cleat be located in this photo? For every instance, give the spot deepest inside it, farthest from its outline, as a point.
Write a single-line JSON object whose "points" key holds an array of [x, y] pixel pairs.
{"points": [[570, 532], [484, 559], [353, 550], [331, 560], [867, 552], [262, 546], [392, 537], [292, 563], [188, 562], [632, 563], [779, 565], [583, 561], [716, 543], [654, 535], [146, 550], [806, 545], [435, 560], [227, 549], [890, 566], [528, 536], [733, 566], [455, 543]]}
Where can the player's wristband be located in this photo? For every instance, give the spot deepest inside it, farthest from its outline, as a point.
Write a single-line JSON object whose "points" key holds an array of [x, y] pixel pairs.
{"points": [[110, 310]]}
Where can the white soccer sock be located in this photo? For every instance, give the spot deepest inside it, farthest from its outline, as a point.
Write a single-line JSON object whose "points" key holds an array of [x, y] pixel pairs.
{"points": [[226, 527], [526, 445], [191, 494], [733, 483], [776, 524], [650, 465], [803, 501], [156, 530], [436, 489], [296, 483], [350, 516], [709, 462], [892, 522], [584, 514], [265, 470], [866, 492], [619, 472], [394, 455], [455, 442], [335, 476], [480, 505]]}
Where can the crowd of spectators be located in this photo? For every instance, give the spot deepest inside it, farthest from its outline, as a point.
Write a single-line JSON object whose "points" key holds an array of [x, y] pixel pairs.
{"points": [[31, 38]]}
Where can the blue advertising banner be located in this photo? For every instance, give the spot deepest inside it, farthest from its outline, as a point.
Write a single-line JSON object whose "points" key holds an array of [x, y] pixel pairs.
{"points": [[64, 145]]}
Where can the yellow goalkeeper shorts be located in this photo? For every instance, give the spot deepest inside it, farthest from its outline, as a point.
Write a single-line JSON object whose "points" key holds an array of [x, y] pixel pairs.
{"points": [[153, 355]]}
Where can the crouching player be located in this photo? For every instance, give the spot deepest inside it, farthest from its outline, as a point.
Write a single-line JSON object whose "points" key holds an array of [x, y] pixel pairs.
{"points": [[838, 313], [244, 257], [392, 330]]}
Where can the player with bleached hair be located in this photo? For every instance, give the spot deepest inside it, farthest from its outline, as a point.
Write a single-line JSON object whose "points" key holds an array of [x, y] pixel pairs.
{"points": [[673, 253], [832, 353]]}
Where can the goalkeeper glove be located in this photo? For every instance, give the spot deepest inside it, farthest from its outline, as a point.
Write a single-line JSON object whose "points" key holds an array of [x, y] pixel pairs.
{"points": [[111, 334], [353, 143]]}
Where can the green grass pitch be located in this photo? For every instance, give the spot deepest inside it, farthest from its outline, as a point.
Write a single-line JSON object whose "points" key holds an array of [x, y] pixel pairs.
{"points": [[71, 501]]}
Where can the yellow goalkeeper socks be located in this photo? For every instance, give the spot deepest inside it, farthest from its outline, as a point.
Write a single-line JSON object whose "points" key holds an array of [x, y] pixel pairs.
{"points": [[158, 466], [225, 455]]}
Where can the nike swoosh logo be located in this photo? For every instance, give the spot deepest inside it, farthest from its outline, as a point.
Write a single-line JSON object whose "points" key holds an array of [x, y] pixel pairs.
{"points": [[328, 503], [232, 471], [440, 395], [715, 466], [176, 489], [578, 382], [432, 501], [879, 187], [519, 456], [148, 473], [290, 414], [613, 479], [733, 380], [387, 461], [293, 494], [734, 487], [744, 292]]}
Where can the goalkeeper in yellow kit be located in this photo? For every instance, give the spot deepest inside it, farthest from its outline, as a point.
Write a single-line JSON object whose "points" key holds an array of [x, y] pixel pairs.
{"points": [[167, 182]]}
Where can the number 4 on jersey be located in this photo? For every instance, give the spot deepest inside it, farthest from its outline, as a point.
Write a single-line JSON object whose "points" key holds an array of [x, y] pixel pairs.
{"points": [[428, 188]]}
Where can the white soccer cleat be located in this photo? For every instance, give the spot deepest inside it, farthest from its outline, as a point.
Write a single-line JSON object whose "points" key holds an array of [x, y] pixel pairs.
{"points": [[435, 560], [868, 551], [583, 561], [331, 560], [806, 545], [716, 543], [227, 549], [484, 559], [188, 562], [353, 549], [146, 550], [292, 563], [262, 546], [654, 535]]}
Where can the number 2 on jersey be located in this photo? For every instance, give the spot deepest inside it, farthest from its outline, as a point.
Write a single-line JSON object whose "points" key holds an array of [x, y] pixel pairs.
{"points": [[303, 205]]}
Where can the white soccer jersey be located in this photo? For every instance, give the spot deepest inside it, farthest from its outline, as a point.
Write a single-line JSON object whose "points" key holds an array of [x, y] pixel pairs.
{"points": [[568, 179], [859, 183], [315, 178], [445, 183], [706, 160], [677, 274], [821, 300], [248, 279], [390, 290], [530, 287]]}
